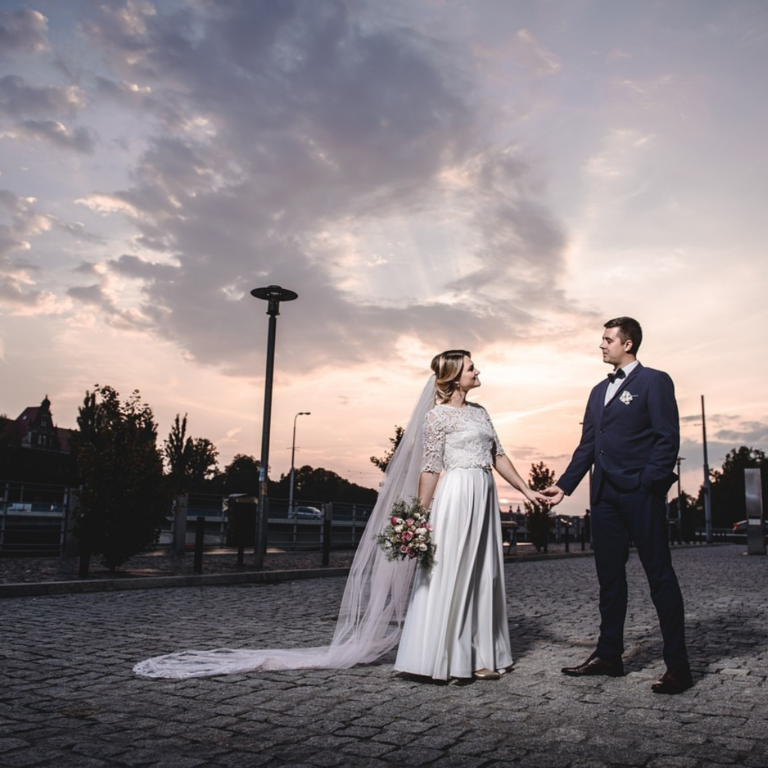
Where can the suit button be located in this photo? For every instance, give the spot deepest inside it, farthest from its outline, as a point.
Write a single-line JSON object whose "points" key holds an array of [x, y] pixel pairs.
{"points": [[602, 431], [601, 453]]}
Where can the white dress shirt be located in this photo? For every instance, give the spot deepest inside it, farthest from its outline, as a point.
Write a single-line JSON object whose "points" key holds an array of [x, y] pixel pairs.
{"points": [[613, 386]]}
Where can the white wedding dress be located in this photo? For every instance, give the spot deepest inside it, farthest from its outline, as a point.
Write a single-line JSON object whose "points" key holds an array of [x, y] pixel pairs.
{"points": [[456, 621]]}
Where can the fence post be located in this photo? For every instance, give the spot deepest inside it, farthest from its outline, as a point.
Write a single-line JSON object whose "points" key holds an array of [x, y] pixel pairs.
{"points": [[327, 519], [197, 566], [2, 521]]}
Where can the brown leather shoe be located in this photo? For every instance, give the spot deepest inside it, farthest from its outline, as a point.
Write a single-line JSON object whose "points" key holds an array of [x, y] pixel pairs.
{"points": [[594, 665], [673, 683], [485, 674]]}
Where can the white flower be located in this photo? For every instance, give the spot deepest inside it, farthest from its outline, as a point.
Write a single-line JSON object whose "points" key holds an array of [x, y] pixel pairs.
{"points": [[626, 397]]}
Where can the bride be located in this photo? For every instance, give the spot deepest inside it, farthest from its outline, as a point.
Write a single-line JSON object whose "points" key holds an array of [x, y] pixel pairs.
{"points": [[456, 624]]}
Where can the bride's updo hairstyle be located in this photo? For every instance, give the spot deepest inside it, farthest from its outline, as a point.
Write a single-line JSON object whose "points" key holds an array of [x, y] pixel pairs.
{"points": [[448, 367]]}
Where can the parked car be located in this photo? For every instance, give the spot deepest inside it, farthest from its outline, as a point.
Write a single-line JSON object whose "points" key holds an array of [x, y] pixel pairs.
{"points": [[741, 526], [305, 513]]}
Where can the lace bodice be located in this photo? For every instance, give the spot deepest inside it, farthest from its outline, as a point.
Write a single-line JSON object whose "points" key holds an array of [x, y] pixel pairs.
{"points": [[459, 438]]}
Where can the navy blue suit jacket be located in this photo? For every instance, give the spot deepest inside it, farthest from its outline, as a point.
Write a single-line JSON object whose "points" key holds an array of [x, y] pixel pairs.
{"points": [[633, 441]]}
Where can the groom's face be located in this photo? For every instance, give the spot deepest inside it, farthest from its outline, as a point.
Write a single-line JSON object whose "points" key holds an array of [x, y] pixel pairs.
{"points": [[615, 350]]}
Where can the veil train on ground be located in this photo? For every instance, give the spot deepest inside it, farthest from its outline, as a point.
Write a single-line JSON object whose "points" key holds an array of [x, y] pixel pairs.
{"points": [[375, 597]]}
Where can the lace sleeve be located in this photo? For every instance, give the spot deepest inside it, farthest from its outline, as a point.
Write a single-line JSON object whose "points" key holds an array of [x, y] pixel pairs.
{"points": [[434, 443], [498, 449]]}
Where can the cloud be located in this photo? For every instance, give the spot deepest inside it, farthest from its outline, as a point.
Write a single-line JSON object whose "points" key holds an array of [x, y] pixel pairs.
{"points": [[19, 100], [534, 56], [745, 433], [22, 31], [18, 276], [54, 132], [281, 136]]}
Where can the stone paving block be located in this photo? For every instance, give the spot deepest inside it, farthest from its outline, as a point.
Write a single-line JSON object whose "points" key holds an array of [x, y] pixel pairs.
{"points": [[674, 762], [6, 745], [416, 756], [461, 761]]}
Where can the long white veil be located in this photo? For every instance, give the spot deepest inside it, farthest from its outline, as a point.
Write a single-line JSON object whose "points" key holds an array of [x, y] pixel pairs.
{"points": [[375, 598]]}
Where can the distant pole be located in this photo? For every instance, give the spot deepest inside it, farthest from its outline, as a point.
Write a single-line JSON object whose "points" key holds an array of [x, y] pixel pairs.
{"points": [[707, 488], [273, 294], [293, 455]]}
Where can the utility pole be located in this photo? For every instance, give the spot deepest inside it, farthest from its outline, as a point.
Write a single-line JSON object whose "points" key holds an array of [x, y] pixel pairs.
{"points": [[707, 488]]}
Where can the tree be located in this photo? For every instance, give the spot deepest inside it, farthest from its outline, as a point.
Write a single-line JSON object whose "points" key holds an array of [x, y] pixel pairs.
{"points": [[539, 521], [203, 461], [191, 461], [728, 487], [124, 497], [241, 475], [691, 515], [383, 462], [318, 484]]}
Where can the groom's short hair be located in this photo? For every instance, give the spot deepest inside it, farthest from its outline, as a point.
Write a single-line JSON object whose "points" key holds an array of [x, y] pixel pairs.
{"points": [[629, 330]]}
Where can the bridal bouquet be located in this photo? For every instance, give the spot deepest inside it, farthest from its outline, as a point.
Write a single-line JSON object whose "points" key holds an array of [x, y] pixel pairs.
{"points": [[408, 534]]}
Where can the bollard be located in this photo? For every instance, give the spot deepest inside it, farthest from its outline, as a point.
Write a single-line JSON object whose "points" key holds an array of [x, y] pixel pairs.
{"points": [[327, 518], [179, 545], [754, 495], [197, 566]]}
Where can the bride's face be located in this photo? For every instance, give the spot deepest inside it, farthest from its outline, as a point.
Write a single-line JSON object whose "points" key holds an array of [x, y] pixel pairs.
{"points": [[470, 376]]}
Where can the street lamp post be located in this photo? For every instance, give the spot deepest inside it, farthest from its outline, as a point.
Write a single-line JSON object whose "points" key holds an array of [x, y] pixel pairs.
{"points": [[707, 487], [273, 295], [293, 455]]}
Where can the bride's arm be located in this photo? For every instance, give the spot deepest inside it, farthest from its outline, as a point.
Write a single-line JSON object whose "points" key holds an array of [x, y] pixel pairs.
{"points": [[427, 485], [507, 470]]}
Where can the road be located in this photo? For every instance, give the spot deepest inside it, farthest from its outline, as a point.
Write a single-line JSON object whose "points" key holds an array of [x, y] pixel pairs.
{"points": [[68, 696]]}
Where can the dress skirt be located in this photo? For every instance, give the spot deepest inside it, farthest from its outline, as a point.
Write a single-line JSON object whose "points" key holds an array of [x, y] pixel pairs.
{"points": [[457, 616]]}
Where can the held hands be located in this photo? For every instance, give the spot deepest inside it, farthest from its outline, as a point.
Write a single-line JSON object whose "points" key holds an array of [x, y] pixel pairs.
{"points": [[537, 498], [554, 495]]}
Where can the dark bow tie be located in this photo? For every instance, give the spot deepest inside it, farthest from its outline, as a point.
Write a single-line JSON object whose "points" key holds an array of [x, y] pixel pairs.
{"points": [[618, 375]]}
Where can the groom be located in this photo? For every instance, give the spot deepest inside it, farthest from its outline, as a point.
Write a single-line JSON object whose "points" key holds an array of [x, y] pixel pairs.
{"points": [[631, 436]]}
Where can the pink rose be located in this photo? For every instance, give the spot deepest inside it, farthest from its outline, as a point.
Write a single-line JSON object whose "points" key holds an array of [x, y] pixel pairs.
{"points": [[407, 536], [393, 520]]}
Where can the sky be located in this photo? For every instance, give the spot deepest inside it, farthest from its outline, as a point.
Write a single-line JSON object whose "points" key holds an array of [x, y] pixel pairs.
{"points": [[497, 175]]}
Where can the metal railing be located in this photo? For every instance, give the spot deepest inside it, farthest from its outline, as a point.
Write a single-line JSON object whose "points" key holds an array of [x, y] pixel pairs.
{"points": [[33, 519], [34, 522]]}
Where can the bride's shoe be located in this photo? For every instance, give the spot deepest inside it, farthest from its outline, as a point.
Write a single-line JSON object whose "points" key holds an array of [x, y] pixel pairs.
{"points": [[485, 674]]}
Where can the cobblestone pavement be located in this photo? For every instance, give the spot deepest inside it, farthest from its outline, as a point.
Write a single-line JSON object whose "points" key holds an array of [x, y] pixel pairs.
{"points": [[68, 696]]}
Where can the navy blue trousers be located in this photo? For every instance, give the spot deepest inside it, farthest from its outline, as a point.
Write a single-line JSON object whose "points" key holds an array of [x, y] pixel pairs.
{"points": [[618, 518]]}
